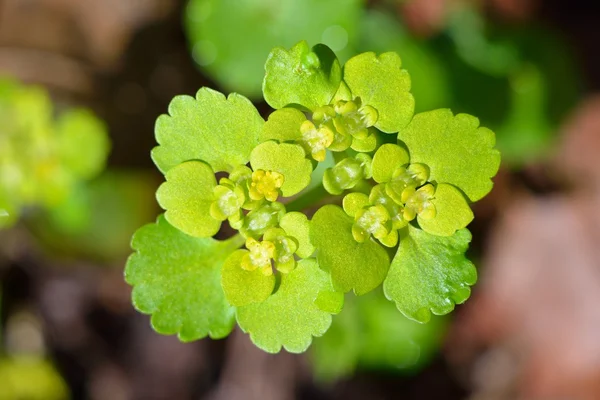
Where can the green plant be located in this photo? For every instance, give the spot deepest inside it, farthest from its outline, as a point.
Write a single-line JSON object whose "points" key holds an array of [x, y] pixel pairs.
{"points": [[406, 182], [42, 157]]}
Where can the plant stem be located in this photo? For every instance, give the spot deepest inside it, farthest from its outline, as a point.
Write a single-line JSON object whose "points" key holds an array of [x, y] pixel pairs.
{"points": [[307, 199]]}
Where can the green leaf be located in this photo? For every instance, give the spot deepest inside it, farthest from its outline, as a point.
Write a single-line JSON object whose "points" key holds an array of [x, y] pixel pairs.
{"points": [[353, 266], [80, 129], [430, 274], [354, 202], [330, 301], [287, 159], [429, 84], [382, 84], [186, 196], [244, 287], [456, 150], [296, 224], [385, 161], [217, 130], [177, 279], [365, 145], [304, 76], [283, 125], [289, 318], [452, 212]]}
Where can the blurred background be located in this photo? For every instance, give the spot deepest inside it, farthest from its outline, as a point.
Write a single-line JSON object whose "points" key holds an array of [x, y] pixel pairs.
{"points": [[81, 84]]}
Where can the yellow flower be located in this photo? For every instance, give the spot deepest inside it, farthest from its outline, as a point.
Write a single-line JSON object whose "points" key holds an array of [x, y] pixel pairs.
{"points": [[265, 184]]}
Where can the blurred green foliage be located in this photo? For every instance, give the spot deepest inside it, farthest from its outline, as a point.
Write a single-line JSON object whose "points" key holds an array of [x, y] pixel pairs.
{"points": [[528, 75], [30, 378], [370, 334], [42, 157], [231, 39], [97, 219], [521, 81]]}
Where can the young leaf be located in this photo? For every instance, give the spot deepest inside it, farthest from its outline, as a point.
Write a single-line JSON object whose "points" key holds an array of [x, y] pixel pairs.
{"points": [[354, 202], [217, 130], [385, 161], [283, 125], [289, 318], [177, 279], [353, 266], [382, 84], [455, 148], [187, 195], [287, 159], [301, 75], [430, 274], [244, 287], [296, 224], [452, 212]]}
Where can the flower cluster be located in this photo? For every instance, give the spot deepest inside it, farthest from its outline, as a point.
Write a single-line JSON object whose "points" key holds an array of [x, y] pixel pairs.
{"points": [[404, 181]]}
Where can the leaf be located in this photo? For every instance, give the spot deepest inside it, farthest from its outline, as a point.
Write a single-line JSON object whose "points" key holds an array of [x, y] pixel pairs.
{"points": [[429, 84], [452, 212], [353, 266], [354, 202], [244, 287], [296, 224], [430, 274], [456, 150], [79, 130], [289, 318], [230, 39], [385, 161], [304, 76], [382, 84], [330, 301], [186, 196], [177, 279], [287, 159], [283, 125], [217, 130]]}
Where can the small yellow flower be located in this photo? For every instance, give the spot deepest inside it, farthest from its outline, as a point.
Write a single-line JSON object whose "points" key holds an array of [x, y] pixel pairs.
{"points": [[316, 140], [418, 202], [265, 184], [259, 256]]}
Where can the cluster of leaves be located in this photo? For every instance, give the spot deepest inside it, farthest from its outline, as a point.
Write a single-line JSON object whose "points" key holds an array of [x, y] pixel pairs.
{"points": [[406, 182], [42, 156]]}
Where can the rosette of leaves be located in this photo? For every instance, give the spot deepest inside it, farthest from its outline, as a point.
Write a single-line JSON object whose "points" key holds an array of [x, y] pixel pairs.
{"points": [[405, 182], [42, 157]]}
